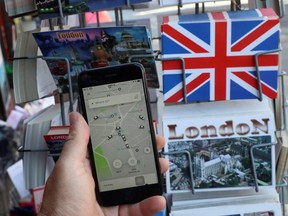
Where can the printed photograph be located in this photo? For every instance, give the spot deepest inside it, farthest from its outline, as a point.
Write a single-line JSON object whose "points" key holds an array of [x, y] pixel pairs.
{"points": [[220, 163]]}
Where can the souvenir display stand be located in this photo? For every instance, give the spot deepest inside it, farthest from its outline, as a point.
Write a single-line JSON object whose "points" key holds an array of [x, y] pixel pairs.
{"points": [[190, 196]]}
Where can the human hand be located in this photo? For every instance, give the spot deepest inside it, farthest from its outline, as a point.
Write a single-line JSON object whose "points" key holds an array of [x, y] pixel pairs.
{"points": [[70, 189]]}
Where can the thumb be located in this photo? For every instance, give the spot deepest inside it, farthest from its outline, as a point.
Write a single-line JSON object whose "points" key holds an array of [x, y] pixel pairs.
{"points": [[75, 147]]}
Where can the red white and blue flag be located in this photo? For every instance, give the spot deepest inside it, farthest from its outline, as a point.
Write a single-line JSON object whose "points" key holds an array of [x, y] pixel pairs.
{"points": [[219, 51]]}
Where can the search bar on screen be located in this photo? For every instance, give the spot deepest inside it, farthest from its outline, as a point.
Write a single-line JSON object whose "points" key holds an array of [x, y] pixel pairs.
{"points": [[114, 100]]}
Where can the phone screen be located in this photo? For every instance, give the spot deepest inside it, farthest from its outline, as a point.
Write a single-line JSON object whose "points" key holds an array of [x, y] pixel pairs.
{"points": [[120, 135]]}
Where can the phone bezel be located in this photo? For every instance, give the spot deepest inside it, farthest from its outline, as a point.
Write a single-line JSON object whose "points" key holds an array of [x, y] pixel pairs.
{"points": [[109, 75]]}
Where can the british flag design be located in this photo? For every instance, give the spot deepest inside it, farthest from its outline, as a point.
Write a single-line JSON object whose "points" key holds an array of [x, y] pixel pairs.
{"points": [[218, 50]]}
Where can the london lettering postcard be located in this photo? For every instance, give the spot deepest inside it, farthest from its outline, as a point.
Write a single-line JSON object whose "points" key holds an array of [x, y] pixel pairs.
{"points": [[230, 145], [88, 48]]}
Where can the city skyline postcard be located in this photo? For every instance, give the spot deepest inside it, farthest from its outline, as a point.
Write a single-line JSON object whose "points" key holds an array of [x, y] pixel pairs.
{"points": [[88, 48]]}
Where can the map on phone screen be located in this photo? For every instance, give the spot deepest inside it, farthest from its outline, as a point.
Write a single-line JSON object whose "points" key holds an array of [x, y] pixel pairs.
{"points": [[120, 135]]}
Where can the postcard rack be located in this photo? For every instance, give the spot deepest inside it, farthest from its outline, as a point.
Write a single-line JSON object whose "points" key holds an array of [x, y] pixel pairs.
{"points": [[72, 98], [251, 147], [186, 153], [119, 22], [260, 98]]}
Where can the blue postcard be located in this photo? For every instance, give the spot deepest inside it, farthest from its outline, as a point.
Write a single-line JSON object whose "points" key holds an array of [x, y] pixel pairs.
{"points": [[88, 48]]}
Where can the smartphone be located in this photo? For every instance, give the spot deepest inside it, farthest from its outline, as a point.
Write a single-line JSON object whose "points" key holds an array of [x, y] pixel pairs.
{"points": [[123, 151]]}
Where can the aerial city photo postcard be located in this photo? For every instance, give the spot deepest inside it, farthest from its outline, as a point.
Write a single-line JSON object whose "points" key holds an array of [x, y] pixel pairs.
{"points": [[219, 163], [227, 152]]}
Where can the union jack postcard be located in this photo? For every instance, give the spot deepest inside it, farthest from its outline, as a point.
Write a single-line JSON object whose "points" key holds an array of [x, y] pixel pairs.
{"points": [[216, 53]]}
